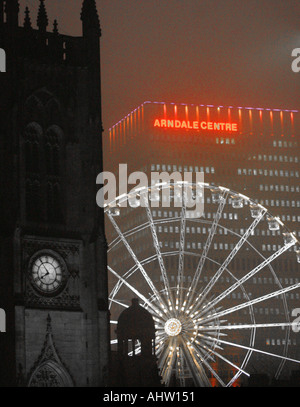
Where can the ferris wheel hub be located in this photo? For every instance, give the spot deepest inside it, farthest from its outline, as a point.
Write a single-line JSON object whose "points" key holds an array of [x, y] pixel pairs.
{"points": [[173, 327]]}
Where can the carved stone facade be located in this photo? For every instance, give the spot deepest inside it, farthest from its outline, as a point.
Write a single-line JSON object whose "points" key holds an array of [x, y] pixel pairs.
{"points": [[68, 253], [49, 370]]}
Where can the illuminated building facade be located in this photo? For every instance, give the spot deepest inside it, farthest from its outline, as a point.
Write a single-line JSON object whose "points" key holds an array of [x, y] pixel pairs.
{"points": [[253, 151]]}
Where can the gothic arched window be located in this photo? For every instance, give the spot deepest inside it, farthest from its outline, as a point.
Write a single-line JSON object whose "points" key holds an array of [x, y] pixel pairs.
{"points": [[53, 147], [47, 376], [53, 144], [32, 138], [42, 146], [34, 110], [32, 161]]}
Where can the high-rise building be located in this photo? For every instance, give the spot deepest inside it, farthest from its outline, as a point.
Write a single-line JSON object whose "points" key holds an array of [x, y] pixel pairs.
{"points": [[53, 278], [253, 153]]}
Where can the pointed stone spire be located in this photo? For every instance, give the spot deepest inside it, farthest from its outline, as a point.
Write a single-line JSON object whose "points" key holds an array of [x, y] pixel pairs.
{"points": [[42, 18], [55, 27], [49, 325], [27, 21], [90, 18], [12, 13], [40, 375]]}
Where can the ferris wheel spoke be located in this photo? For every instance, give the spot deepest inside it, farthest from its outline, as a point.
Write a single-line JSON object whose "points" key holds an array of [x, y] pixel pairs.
{"points": [[160, 340], [140, 228], [245, 326], [206, 353], [258, 350], [126, 234], [181, 253], [237, 247], [116, 288], [135, 291], [285, 352], [126, 276], [161, 319], [168, 361], [249, 303], [203, 310], [158, 350], [194, 366], [138, 263], [241, 281], [235, 377], [180, 366], [207, 365], [212, 231], [159, 325], [223, 357], [159, 255], [213, 344], [164, 348], [163, 363], [118, 302], [161, 349]]}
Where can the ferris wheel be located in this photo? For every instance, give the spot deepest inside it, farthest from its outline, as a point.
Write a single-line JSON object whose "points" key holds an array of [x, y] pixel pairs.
{"points": [[214, 284]]}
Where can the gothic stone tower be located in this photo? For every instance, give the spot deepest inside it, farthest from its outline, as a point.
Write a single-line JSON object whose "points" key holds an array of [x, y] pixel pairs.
{"points": [[53, 280]]}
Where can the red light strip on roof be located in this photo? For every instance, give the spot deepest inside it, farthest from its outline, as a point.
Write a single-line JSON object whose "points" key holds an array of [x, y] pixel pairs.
{"points": [[201, 105]]}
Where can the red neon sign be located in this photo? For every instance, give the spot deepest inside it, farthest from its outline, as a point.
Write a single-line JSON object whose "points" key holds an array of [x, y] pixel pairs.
{"points": [[195, 125]]}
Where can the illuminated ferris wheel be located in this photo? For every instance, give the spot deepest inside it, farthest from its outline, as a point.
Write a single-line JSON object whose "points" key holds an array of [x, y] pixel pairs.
{"points": [[214, 284]]}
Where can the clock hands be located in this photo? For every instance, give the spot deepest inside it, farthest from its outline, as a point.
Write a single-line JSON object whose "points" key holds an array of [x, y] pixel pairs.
{"points": [[46, 274]]}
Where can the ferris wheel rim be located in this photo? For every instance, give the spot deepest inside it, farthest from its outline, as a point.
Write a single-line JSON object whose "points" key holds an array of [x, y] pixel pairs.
{"points": [[266, 213], [117, 201]]}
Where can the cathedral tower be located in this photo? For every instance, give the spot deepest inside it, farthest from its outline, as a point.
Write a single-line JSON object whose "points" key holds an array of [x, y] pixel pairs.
{"points": [[53, 277]]}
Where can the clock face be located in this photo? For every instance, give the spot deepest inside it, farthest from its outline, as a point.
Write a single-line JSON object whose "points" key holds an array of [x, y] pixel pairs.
{"points": [[46, 273]]}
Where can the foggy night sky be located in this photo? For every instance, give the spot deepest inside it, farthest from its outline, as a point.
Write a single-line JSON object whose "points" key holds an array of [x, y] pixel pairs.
{"points": [[227, 52]]}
